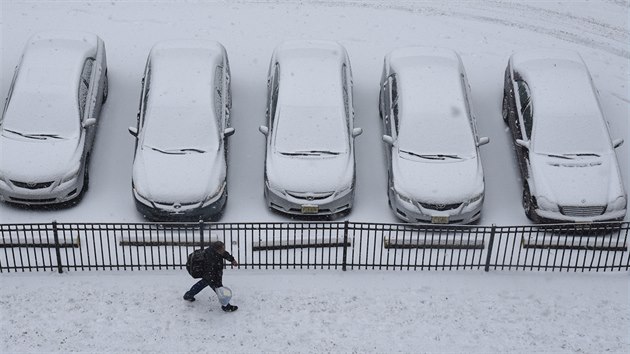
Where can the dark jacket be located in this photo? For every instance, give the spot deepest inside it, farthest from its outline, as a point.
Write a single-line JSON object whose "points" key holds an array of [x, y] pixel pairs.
{"points": [[215, 266]]}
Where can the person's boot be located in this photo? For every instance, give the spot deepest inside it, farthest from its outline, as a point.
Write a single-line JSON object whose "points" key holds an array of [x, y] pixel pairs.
{"points": [[229, 308], [189, 297]]}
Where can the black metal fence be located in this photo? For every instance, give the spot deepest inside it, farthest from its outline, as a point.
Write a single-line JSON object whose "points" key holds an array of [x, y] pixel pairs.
{"points": [[330, 245]]}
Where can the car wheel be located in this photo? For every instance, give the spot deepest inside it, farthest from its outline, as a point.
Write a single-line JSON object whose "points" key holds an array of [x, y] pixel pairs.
{"points": [[505, 108], [530, 205], [86, 179], [105, 88]]}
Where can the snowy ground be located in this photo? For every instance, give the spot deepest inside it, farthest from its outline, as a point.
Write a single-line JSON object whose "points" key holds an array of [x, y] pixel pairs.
{"points": [[318, 311]]}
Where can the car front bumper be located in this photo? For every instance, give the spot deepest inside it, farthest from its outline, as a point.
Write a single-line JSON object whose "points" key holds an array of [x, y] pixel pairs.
{"points": [[184, 213], [54, 194], [294, 206], [413, 213]]}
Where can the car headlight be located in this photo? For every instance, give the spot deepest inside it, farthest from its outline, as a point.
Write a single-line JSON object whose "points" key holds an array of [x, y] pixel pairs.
{"points": [[474, 199], [142, 199], [214, 196], [71, 175], [343, 191], [546, 204], [404, 198], [618, 204], [275, 190]]}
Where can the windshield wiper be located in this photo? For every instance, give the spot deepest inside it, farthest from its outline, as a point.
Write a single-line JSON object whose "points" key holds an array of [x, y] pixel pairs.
{"points": [[433, 156], [587, 154], [560, 156], [45, 136], [166, 152], [192, 150], [30, 136], [310, 153]]}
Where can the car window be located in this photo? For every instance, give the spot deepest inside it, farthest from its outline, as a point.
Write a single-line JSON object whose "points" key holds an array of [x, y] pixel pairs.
{"points": [[526, 107], [147, 88], [346, 99], [84, 84], [394, 88], [218, 92], [274, 94]]}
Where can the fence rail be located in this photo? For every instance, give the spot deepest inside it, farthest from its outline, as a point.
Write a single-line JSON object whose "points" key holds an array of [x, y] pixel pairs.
{"points": [[329, 245]]}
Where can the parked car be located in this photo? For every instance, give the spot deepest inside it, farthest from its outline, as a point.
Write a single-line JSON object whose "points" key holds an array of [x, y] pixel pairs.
{"points": [[564, 150], [180, 160], [434, 171], [309, 160], [50, 118]]}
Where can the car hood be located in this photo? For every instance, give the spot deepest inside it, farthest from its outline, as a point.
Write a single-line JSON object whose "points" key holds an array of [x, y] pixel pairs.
{"points": [[178, 178], [35, 160], [575, 182], [443, 181], [310, 173]]}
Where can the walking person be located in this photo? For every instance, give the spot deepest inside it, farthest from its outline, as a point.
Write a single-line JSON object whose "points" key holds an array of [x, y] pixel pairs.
{"points": [[213, 277]]}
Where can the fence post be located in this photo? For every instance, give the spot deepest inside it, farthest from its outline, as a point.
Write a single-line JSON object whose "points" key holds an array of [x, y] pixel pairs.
{"points": [[57, 250], [490, 245], [201, 233], [345, 245]]}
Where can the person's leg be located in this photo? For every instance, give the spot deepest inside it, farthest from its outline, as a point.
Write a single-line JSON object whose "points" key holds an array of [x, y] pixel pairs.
{"points": [[216, 283], [195, 289]]}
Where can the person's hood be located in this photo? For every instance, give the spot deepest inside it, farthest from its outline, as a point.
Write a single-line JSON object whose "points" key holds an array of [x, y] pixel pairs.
{"points": [[178, 178]]}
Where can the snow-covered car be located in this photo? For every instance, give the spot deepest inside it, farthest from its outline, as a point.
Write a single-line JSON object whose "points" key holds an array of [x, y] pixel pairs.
{"points": [[309, 160], [50, 118], [564, 149], [180, 160], [434, 171]]}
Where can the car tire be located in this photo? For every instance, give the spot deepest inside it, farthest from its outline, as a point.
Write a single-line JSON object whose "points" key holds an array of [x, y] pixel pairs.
{"points": [[530, 205]]}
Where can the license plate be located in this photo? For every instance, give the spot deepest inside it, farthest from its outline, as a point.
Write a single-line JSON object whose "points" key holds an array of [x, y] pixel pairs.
{"points": [[439, 219], [310, 209]]}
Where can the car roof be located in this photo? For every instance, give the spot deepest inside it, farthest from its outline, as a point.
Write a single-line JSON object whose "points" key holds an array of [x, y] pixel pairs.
{"points": [[182, 72], [559, 83], [310, 72], [54, 61]]}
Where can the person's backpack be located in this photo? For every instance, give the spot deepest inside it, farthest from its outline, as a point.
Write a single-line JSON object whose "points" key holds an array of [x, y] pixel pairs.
{"points": [[197, 265]]}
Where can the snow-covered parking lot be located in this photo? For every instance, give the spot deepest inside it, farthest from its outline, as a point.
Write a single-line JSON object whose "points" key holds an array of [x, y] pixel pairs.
{"points": [[320, 311]]}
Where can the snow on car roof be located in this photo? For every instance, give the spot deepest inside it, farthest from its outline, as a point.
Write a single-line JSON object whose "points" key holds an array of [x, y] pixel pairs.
{"points": [[310, 73], [45, 95], [182, 90], [562, 97], [433, 111]]}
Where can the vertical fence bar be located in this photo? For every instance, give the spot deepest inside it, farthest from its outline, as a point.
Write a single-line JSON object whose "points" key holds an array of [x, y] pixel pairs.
{"points": [[490, 245], [345, 245], [57, 250]]}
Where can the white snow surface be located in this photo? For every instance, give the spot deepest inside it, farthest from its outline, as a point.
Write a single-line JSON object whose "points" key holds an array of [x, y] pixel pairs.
{"points": [[307, 310]]}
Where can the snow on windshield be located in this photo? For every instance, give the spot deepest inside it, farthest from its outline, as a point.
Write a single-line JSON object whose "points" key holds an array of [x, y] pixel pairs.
{"points": [[567, 119], [304, 128], [433, 117], [173, 129]]}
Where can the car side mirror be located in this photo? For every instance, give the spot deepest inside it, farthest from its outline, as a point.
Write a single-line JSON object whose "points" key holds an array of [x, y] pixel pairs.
{"points": [[228, 132], [522, 143], [133, 131], [388, 139], [89, 122], [263, 129], [617, 143], [356, 132], [483, 141]]}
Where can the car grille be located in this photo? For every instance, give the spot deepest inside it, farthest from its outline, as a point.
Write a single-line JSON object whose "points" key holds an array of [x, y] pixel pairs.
{"points": [[30, 185], [22, 200], [440, 206], [310, 196], [582, 210]]}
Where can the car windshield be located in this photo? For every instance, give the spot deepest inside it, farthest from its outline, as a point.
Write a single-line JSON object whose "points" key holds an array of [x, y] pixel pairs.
{"points": [[311, 131], [177, 130], [570, 136], [436, 138], [42, 116]]}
